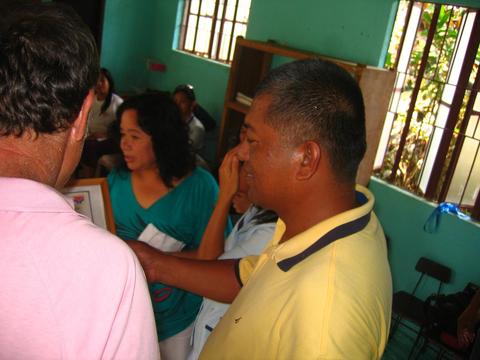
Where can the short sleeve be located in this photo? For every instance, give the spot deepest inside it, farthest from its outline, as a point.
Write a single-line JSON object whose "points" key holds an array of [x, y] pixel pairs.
{"points": [[134, 326], [245, 268]]}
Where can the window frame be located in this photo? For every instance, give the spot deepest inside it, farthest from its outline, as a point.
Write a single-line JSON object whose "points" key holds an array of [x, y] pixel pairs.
{"points": [[213, 51], [443, 169]]}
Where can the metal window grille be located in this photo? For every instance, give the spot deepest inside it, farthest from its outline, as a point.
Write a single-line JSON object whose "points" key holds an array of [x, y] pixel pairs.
{"points": [[430, 143], [210, 27]]}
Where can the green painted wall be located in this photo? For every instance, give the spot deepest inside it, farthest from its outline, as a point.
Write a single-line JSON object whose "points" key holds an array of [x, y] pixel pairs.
{"points": [[135, 31], [349, 29], [138, 31], [125, 52], [456, 243], [127, 41], [355, 30], [208, 78]]}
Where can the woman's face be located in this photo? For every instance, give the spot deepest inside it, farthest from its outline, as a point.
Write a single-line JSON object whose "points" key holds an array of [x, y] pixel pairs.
{"points": [[136, 144], [102, 86]]}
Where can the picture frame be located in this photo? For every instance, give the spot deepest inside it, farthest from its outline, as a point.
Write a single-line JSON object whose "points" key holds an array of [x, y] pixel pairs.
{"points": [[91, 198]]}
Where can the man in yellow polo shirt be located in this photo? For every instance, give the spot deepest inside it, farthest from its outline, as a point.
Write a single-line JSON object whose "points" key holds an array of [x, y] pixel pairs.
{"points": [[322, 287]]}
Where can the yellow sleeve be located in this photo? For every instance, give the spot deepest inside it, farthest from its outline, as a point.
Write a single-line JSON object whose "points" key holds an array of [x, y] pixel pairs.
{"points": [[245, 268]]}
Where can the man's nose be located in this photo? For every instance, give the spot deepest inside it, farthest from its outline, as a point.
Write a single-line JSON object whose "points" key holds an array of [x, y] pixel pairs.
{"points": [[243, 150]]}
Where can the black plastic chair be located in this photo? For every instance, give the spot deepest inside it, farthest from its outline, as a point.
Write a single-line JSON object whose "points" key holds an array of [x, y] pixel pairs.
{"points": [[407, 306], [442, 315]]}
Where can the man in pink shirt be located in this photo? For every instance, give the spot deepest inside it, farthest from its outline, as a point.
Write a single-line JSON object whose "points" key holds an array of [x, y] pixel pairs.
{"points": [[69, 290]]}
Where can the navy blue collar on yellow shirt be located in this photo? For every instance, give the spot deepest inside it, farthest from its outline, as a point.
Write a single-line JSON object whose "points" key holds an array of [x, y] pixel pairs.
{"points": [[336, 233]]}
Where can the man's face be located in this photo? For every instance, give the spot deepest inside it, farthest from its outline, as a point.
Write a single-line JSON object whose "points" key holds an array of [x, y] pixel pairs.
{"points": [[268, 159], [185, 104]]}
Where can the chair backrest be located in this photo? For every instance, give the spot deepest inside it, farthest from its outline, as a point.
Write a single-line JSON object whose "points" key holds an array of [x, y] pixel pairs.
{"points": [[433, 269]]}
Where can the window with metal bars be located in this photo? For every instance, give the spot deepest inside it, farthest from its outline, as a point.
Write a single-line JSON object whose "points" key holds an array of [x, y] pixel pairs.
{"points": [[210, 27], [430, 143]]}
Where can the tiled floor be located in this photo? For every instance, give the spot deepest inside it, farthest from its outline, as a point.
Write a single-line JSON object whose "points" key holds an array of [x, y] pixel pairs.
{"points": [[400, 344]]}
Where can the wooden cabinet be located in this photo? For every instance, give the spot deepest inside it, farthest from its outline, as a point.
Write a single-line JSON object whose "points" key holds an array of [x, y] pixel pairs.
{"points": [[252, 61]]}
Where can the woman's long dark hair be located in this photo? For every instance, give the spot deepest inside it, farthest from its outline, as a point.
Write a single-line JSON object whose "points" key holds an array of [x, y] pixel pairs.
{"points": [[159, 117], [111, 89]]}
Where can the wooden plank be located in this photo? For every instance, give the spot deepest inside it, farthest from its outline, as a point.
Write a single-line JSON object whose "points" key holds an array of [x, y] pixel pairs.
{"points": [[282, 50], [377, 86]]}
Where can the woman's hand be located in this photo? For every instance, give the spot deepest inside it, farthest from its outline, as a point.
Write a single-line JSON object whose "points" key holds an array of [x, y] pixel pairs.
{"points": [[228, 175]]}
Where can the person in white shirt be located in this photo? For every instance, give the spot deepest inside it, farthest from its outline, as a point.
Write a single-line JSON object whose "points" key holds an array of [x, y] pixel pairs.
{"points": [[102, 114], [104, 107], [249, 236], [184, 97]]}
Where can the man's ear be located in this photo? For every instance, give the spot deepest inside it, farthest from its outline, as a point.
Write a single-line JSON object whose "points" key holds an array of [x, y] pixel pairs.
{"points": [[80, 125], [310, 155]]}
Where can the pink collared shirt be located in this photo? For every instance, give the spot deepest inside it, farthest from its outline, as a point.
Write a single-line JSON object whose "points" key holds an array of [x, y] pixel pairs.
{"points": [[68, 289]]}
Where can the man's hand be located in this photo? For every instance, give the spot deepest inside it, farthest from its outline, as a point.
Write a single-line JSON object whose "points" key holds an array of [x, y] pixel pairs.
{"points": [[148, 256], [214, 279]]}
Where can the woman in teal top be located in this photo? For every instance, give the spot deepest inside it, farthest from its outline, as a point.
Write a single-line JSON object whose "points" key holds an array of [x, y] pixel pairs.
{"points": [[159, 184]]}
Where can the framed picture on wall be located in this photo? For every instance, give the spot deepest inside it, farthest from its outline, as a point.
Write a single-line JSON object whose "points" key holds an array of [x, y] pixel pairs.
{"points": [[92, 199]]}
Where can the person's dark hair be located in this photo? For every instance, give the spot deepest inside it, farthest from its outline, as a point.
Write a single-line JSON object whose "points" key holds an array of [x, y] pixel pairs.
{"points": [[317, 100], [264, 216], [200, 113], [160, 118], [111, 89], [186, 89], [48, 63]]}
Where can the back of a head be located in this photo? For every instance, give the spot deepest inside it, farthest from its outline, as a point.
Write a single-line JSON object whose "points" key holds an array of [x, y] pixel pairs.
{"points": [[48, 63], [317, 100]]}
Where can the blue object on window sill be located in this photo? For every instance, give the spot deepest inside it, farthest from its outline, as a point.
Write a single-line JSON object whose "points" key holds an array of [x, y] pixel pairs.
{"points": [[433, 221]]}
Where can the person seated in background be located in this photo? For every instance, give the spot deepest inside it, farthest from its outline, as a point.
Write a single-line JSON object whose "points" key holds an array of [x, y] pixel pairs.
{"points": [[101, 116], [205, 118], [158, 183], [70, 289], [105, 106], [249, 236], [468, 331], [184, 97]]}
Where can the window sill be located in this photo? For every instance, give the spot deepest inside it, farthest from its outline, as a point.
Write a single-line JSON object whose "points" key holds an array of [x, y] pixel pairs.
{"points": [[432, 205], [202, 58]]}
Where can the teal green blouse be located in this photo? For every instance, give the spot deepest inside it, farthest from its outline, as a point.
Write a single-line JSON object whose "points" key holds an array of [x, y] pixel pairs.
{"points": [[183, 213]]}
